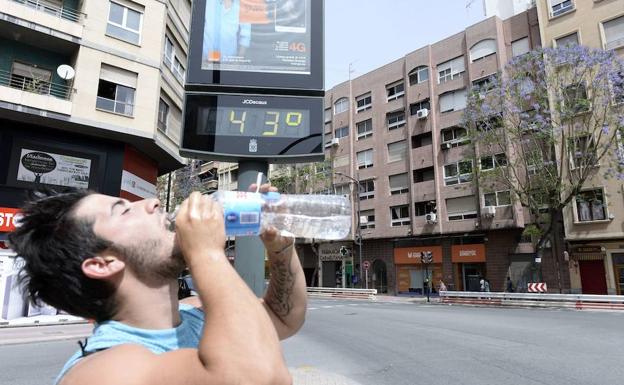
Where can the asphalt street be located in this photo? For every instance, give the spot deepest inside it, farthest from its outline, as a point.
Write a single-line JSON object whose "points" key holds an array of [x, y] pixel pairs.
{"points": [[378, 343]]}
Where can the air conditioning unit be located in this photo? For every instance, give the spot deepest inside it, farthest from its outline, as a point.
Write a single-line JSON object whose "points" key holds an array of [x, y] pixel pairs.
{"points": [[431, 218], [488, 211], [422, 114], [445, 146], [335, 142]]}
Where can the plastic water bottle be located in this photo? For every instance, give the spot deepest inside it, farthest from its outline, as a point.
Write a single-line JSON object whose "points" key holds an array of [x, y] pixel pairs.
{"points": [[308, 216]]}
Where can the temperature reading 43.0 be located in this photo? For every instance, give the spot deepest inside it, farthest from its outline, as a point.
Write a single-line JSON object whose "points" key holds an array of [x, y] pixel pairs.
{"points": [[263, 122]]}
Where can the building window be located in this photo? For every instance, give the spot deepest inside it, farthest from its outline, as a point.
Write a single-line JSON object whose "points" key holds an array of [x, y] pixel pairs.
{"points": [[397, 151], [484, 85], [456, 173], [567, 40], [395, 91], [575, 100], [418, 75], [365, 159], [369, 219], [422, 105], [395, 119], [498, 198], [451, 69], [423, 208], [520, 46], [342, 189], [172, 61], [367, 189], [423, 175], [461, 208], [490, 162], [364, 129], [341, 105], [124, 23], [614, 33], [399, 184], [560, 7], [399, 215], [341, 132], [583, 152], [421, 140], [163, 114], [455, 136], [116, 90], [453, 101], [482, 49], [591, 206], [363, 102], [328, 115]]}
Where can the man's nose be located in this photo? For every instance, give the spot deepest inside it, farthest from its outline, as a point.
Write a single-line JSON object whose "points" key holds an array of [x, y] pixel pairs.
{"points": [[152, 205]]}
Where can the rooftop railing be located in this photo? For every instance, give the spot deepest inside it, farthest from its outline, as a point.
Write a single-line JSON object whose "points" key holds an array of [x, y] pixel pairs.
{"points": [[53, 9]]}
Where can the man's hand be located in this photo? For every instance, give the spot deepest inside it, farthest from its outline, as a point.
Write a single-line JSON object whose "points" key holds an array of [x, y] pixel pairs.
{"points": [[200, 229]]}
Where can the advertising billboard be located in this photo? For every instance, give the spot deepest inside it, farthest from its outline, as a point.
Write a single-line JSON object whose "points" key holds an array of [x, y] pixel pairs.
{"points": [[256, 43]]}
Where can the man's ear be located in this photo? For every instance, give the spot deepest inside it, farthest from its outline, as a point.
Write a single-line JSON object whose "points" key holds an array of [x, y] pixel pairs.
{"points": [[102, 267]]}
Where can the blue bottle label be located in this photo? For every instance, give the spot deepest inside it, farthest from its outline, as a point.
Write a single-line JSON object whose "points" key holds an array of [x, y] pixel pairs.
{"points": [[242, 213]]}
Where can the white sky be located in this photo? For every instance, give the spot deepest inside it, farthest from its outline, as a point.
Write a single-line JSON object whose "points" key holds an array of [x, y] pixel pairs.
{"points": [[371, 33]]}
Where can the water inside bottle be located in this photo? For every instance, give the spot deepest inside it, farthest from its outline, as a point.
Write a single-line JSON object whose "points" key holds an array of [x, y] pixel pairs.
{"points": [[329, 228]]}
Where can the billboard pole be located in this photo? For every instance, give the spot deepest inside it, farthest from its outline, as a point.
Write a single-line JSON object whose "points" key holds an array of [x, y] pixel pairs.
{"points": [[249, 260]]}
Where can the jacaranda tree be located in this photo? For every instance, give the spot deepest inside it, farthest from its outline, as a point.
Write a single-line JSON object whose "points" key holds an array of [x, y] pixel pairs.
{"points": [[543, 129]]}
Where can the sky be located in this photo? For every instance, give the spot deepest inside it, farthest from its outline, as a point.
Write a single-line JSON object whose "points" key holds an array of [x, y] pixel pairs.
{"points": [[371, 33]]}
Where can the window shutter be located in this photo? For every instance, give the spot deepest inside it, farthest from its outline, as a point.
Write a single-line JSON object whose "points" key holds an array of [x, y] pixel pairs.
{"points": [[482, 49], [398, 181], [118, 76], [461, 205]]}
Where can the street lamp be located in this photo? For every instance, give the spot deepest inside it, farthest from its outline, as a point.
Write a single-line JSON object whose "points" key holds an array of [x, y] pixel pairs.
{"points": [[359, 229]]}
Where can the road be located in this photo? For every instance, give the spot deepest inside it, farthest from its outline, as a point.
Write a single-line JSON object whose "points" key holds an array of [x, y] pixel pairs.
{"points": [[395, 343]]}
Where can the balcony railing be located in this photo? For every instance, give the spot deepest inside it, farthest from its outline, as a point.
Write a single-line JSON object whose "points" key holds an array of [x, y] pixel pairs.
{"points": [[52, 9], [114, 106], [41, 87]]}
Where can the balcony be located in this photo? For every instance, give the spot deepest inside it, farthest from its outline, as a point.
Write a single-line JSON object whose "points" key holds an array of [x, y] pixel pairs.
{"points": [[43, 95], [46, 14]]}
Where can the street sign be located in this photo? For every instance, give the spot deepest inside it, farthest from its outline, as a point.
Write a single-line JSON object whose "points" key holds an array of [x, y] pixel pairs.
{"points": [[539, 287], [366, 265]]}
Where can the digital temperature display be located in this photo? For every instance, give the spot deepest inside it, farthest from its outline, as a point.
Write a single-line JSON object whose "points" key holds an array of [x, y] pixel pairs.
{"points": [[266, 122], [234, 126]]}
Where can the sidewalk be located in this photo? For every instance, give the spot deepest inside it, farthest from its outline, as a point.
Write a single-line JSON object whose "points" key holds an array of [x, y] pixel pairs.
{"points": [[41, 320]]}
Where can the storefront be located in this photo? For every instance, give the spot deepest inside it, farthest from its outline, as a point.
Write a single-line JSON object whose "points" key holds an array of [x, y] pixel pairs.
{"points": [[335, 269], [412, 274], [588, 269], [468, 266]]}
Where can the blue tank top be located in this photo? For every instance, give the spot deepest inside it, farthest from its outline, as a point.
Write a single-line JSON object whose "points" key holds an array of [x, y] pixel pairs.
{"points": [[111, 333]]}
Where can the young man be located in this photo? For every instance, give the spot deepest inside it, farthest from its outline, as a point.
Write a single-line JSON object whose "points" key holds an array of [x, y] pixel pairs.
{"points": [[116, 262]]}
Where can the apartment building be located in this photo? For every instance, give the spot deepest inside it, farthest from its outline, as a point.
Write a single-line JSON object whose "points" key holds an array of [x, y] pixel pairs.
{"points": [[91, 94], [595, 242], [396, 132]]}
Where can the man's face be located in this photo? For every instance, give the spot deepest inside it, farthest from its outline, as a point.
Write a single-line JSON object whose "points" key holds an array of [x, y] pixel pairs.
{"points": [[139, 233]]}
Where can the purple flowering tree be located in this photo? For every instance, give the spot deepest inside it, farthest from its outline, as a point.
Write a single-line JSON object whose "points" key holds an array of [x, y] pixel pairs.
{"points": [[543, 128]]}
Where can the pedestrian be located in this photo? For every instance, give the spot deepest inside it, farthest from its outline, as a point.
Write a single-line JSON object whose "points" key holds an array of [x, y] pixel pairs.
{"points": [[116, 262], [482, 285], [509, 286], [486, 285], [441, 286]]}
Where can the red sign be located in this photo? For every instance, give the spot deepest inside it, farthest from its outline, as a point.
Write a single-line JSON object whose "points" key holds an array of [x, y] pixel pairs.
{"points": [[537, 287], [7, 217], [366, 265]]}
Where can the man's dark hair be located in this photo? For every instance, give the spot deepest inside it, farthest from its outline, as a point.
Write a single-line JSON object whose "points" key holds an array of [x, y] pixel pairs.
{"points": [[53, 243]]}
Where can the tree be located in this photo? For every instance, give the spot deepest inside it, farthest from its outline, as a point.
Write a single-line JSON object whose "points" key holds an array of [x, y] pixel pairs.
{"points": [[183, 182], [543, 128]]}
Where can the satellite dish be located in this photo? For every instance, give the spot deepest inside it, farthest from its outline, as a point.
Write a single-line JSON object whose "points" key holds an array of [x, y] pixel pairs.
{"points": [[65, 72]]}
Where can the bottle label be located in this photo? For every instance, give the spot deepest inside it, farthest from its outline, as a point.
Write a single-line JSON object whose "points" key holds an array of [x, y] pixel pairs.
{"points": [[242, 212]]}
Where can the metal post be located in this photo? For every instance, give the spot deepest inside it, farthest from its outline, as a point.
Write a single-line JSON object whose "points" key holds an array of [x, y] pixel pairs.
{"points": [[168, 192], [249, 261]]}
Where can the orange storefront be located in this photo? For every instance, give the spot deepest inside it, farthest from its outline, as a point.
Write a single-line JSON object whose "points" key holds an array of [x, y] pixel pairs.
{"points": [[411, 273], [468, 266]]}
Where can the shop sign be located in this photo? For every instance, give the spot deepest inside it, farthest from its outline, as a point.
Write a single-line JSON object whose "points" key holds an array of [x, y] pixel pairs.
{"points": [[587, 249], [53, 169], [468, 253], [331, 251], [413, 255], [7, 219], [137, 186]]}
